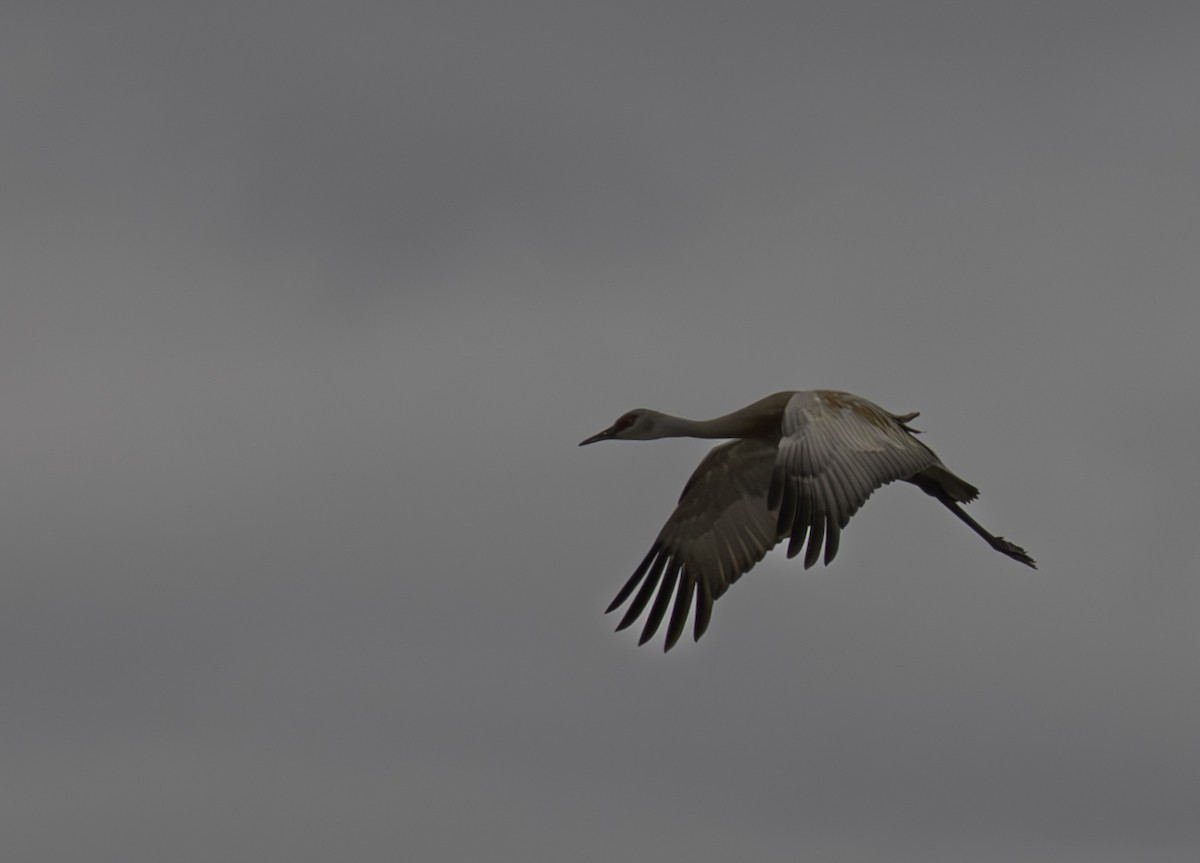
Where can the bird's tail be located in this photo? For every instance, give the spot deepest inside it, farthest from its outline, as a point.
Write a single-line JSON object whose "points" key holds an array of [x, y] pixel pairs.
{"points": [[955, 487]]}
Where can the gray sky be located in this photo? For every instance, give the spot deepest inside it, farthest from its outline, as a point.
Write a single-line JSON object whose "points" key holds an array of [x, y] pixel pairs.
{"points": [[305, 308]]}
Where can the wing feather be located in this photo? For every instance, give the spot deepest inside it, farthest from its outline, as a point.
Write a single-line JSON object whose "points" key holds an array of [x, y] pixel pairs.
{"points": [[683, 604], [661, 601], [634, 580], [835, 450], [720, 529], [652, 578]]}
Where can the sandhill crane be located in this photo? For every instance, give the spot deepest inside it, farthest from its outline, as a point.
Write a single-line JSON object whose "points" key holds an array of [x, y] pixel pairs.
{"points": [[801, 465]]}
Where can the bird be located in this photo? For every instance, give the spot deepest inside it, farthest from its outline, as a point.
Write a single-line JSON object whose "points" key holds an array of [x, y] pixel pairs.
{"points": [[796, 466]]}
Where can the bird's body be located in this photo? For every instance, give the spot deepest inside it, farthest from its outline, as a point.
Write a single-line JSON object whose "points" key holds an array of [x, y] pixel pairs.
{"points": [[799, 466]]}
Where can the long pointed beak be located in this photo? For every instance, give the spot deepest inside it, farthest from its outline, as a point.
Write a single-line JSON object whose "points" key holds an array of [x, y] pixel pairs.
{"points": [[604, 435]]}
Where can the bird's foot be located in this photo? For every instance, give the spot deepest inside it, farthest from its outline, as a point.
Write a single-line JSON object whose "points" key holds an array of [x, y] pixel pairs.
{"points": [[1014, 551]]}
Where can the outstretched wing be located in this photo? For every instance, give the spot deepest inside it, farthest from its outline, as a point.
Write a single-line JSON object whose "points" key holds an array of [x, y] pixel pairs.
{"points": [[721, 528], [836, 449]]}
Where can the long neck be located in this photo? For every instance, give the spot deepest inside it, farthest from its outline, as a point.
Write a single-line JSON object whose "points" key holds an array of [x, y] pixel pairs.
{"points": [[734, 425], [763, 419]]}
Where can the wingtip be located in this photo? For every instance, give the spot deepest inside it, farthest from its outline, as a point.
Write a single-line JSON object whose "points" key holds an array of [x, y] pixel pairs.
{"points": [[626, 621]]}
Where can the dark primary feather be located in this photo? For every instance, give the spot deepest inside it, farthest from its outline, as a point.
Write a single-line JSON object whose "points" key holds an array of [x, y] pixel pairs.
{"points": [[719, 530]]}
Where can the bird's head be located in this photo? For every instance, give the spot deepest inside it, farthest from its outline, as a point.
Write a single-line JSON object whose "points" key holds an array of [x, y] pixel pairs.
{"points": [[640, 424]]}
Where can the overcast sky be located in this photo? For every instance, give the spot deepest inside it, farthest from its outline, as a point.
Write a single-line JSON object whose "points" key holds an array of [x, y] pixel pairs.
{"points": [[306, 306]]}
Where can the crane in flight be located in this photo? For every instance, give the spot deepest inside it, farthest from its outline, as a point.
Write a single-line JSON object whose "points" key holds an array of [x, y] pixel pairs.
{"points": [[799, 466]]}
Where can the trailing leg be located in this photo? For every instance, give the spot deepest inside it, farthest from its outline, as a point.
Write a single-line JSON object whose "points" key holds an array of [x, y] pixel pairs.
{"points": [[935, 488]]}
